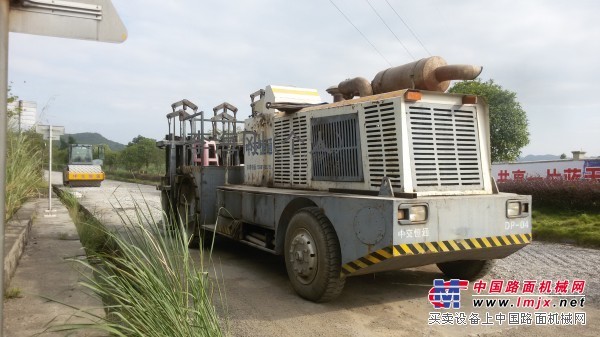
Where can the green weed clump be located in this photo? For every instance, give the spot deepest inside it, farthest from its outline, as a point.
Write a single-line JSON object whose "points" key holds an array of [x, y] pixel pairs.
{"points": [[146, 278], [24, 173], [12, 293]]}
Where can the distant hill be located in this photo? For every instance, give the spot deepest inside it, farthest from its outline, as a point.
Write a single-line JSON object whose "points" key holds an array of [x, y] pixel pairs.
{"points": [[94, 139], [534, 157]]}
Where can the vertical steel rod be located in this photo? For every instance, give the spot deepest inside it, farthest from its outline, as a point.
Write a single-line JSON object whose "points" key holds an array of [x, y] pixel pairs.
{"points": [[50, 172]]}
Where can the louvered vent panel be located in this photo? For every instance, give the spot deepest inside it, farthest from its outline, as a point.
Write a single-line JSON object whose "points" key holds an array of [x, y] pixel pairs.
{"points": [[383, 153], [445, 148], [282, 163], [336, 152], [291, 151], [299, 150]]}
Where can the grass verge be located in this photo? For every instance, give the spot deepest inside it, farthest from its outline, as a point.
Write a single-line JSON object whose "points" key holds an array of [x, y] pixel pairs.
{"points": [[23, 169], [581, 228], [146, 278]]}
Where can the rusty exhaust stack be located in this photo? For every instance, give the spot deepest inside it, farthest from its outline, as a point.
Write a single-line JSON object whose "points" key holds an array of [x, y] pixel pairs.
{"points": [[358, 86], [432, 73], [335, 92]]}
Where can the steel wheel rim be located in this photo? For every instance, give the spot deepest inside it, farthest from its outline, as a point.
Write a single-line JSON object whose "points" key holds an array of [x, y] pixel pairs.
{"points": [[303, 256]]}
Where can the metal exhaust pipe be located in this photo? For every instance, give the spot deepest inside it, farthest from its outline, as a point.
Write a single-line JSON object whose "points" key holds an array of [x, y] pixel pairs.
{"points": [[432, 73], [457, 72], [358, 86]]}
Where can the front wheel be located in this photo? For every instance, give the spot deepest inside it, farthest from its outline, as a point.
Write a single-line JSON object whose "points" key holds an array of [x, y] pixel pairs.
{"points": [[466, 269], [313, 256]]}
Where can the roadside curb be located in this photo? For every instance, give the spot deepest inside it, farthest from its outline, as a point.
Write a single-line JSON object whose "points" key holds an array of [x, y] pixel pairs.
{"points": [[16, 235]]}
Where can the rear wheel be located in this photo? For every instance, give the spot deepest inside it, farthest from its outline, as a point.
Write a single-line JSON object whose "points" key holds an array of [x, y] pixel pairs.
{"points": [[466, 269], [312, 256]]}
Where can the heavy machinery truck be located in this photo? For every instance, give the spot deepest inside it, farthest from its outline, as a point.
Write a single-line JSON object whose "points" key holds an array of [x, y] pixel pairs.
{"points": [[82, 170], [393, 174]]}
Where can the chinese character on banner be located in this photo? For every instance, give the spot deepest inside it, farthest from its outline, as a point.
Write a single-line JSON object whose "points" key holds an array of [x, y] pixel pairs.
{"points": [[553, 174], [592, 173], [572, 174], [519, 174], [446, 294], [503, 176]]}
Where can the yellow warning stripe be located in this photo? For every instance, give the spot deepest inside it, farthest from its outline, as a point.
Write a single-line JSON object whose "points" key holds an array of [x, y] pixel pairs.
{"points": [[475, 243], [404, 249], [443, 246], [486, 242], [431, 247]]}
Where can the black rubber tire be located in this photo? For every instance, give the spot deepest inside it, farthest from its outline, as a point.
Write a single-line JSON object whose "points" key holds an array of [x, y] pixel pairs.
{"points": [[327, 283], [466, 269]]}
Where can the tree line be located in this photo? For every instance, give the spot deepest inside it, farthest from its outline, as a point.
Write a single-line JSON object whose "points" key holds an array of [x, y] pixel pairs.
{"points": [[140, 156]]}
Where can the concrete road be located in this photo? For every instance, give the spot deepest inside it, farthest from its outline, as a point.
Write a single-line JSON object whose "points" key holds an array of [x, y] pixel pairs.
{"points": [[257, 299], [115, 200]]}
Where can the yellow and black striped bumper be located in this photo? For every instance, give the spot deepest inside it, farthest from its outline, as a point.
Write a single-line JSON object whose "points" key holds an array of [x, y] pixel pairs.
{"points": [[447, 246]]}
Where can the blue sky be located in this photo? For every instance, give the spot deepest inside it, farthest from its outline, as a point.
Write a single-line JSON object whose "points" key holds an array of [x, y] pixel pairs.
{"points": [[215, 51]]}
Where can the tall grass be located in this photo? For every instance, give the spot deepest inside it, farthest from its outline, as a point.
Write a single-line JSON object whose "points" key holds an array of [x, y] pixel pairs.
{"points": [[93, 235], [149, 284], [24, 174]]}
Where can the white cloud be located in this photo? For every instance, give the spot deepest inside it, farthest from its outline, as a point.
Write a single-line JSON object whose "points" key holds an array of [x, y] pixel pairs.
{"points": [[210, 52]]}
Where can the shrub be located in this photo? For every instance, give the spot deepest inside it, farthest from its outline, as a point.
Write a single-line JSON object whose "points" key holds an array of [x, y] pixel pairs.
{"points": [[579, 195]]}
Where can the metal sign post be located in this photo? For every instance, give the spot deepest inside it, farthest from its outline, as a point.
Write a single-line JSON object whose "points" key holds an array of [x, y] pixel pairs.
{"points": [[50, 133], [85, 19]]}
